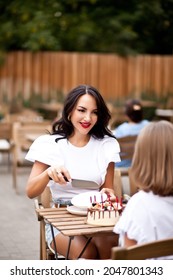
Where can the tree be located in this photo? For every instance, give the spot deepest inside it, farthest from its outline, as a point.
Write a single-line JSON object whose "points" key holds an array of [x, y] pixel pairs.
{"points": [[118, 26]]}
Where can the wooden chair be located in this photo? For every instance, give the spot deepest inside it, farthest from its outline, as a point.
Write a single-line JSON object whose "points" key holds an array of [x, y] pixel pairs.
{"points": [[127, 145], [45, 201], [119, 187], [22, 142], [155, 249], [7, 146], [14, 143]]}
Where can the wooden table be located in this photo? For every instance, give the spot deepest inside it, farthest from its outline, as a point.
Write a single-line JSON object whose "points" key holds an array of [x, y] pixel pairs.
{"points": [[72, 225], [54, 107]]}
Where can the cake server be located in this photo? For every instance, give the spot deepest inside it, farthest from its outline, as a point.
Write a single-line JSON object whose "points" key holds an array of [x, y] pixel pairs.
{"points": [[91, 185], [78, 183]]}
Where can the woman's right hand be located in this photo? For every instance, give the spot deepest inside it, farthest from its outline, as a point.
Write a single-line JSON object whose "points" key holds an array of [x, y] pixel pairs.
{"points": [[110, 193], [59, 174]]}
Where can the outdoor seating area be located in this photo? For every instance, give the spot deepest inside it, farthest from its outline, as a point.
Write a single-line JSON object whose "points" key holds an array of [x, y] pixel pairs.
{"points": [[86, 129], [17, 132], [16, 136], [19, 136]]}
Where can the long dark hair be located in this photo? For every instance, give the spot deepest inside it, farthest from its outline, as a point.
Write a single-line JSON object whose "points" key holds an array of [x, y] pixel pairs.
{"points": [[64, 126]]}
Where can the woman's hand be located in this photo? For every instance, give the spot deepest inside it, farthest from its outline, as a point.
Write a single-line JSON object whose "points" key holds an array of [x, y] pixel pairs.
{"points": [[110, 193], [59, 174]]}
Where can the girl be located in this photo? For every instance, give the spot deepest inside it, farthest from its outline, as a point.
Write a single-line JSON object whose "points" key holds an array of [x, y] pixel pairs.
{"points": [[148, 214]]}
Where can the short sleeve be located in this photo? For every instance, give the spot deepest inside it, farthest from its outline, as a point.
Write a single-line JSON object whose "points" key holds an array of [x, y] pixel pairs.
{"points": [[108, 152], [111, 150], [45, 150]]}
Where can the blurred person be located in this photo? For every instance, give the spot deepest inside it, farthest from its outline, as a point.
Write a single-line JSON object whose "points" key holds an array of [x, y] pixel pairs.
{"points": [[135, 122], [81, 146]]}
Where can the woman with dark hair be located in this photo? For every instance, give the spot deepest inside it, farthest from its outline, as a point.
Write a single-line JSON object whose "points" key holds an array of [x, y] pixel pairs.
{"points": [[81, 147]]}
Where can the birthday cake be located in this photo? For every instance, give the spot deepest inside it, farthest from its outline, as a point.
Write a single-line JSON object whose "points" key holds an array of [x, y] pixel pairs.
{"points": [[103, 214]]}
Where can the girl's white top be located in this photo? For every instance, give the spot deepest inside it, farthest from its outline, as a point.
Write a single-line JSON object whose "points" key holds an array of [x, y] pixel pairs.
{"points": [[147, 217], [87, 163]]}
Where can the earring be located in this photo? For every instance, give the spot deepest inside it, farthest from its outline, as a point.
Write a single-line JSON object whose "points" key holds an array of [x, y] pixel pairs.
{"points": [[69, 118]]}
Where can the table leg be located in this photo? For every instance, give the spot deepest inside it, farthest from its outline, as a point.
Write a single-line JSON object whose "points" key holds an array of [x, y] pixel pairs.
{"points": [[88, 241], [69, 244], [54, 243]]}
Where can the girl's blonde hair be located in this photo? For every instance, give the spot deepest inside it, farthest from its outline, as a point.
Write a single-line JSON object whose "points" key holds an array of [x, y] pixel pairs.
{"points": [[152, 164]]}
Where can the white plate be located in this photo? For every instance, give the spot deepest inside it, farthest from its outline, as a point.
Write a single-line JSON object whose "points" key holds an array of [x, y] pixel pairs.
{"points": [[76, 211], [83, 200]]}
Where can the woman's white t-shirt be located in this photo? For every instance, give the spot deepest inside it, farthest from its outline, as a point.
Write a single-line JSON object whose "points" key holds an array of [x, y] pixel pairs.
{"points": [[147, 217], [87, 163]]}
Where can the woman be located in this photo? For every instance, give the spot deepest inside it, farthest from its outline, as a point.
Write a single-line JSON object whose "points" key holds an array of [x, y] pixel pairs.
{"points": [[148, 214], [80, 147]]}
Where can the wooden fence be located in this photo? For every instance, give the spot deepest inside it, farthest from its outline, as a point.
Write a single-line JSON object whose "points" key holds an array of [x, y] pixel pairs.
{"points": [[47, 73]]}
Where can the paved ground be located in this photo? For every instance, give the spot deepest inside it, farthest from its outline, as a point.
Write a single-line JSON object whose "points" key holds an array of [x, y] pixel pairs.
{"points": [[19, 234]]}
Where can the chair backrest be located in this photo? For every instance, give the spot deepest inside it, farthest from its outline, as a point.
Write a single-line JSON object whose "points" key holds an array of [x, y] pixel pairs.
{"points": [[127, 145], [6, 131], [118, 187], [45, 198], [20, 132], [155, 249], [124, 182], [44, 201]]}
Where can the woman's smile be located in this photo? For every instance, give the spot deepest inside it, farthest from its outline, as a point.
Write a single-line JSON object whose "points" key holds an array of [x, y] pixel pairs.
{"points": [[85, 124]]}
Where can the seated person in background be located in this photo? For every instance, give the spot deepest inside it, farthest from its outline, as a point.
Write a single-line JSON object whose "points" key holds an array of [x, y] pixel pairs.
{"points": [[134, 124], [148, 214], [135, 121]]}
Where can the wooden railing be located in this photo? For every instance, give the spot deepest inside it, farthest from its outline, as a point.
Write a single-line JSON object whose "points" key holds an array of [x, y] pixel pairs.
{"points": [[46, 73]]}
